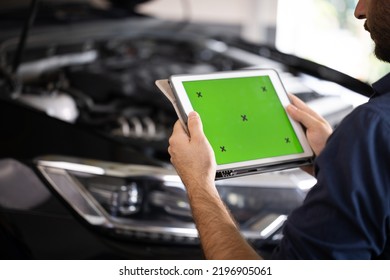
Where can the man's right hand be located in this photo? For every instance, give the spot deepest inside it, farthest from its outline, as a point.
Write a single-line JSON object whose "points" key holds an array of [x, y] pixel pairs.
{"points": [[192, 155]]}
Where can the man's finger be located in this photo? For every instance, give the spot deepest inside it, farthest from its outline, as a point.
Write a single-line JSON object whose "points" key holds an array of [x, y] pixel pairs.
{"points": [[194, 123], [178, 131], [301, 116], [297, 102]]}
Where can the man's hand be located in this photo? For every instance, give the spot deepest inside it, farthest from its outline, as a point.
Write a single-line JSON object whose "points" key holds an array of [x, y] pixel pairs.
{"points": [[194, 161], [318, 129], [192, 155]]}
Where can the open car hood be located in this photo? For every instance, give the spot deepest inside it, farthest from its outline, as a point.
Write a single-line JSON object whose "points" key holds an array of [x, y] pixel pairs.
{"points": [[14, 13], [128, 4]]}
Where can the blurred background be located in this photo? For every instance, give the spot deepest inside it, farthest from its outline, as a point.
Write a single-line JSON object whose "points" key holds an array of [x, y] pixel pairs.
{"points": [[84, 168], [324, 31]]}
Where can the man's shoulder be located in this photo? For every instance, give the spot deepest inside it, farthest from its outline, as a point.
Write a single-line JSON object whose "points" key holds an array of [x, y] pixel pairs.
{"points": [[376, 110], [367, 123]]}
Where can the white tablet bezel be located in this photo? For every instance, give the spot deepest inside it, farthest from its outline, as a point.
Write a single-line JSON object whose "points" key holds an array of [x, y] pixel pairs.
{"points": [[185, 107]]}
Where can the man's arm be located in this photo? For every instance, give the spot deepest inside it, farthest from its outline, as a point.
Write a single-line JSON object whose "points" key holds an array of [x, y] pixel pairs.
{"points": [[219, 234], [194, 161]]}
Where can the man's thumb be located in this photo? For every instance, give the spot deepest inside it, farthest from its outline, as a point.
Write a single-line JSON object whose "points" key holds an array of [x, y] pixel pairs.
{"points": [[194, 124]]}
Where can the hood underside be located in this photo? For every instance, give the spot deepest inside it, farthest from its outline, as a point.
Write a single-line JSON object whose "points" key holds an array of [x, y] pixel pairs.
{"points": [[13, 13]]}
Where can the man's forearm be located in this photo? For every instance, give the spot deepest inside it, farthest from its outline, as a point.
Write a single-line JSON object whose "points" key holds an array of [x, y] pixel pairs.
{"points": [[219, 234]]}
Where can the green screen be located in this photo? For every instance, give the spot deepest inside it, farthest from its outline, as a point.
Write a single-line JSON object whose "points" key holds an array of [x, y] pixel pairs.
{"points": [[243, 118]]}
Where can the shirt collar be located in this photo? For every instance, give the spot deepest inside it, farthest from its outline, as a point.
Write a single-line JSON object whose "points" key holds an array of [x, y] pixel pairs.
{"points": [[382, 86]]}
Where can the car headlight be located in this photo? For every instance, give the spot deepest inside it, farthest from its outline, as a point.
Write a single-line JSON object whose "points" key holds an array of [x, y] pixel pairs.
{"points": [[150, 203]]}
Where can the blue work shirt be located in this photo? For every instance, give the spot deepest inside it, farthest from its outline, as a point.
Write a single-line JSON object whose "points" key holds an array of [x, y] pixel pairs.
{"points": [[346, 215]]}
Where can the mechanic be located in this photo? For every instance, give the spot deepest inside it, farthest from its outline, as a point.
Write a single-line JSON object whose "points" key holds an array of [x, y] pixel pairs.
{"points": [[346, 215]]}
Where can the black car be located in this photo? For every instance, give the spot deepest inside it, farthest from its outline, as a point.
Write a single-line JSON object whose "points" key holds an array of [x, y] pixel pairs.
{"points": [[84, 169]]}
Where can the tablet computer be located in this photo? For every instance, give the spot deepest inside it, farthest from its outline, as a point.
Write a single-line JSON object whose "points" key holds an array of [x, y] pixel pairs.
{"points": [[244, 119]]}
